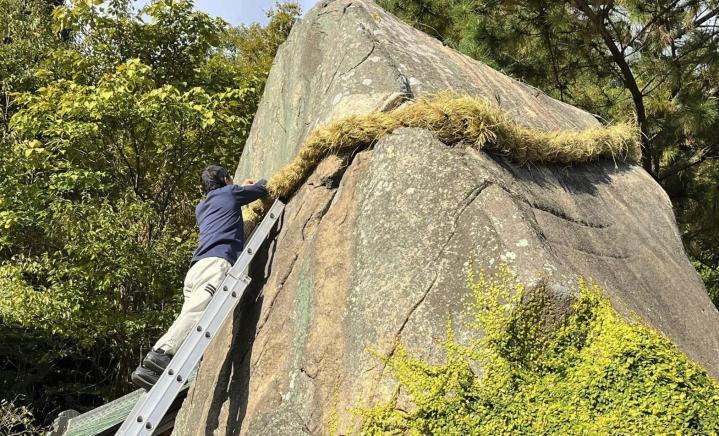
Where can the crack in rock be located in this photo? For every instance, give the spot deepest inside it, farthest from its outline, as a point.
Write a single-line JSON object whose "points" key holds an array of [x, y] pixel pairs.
{"points": [[410, 313], [363, 59], [318, 216], [564, 216], [464, 204], [277, 294]]}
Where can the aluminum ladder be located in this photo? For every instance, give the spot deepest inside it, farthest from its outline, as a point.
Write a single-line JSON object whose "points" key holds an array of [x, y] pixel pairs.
{"points": [[149, 411]]}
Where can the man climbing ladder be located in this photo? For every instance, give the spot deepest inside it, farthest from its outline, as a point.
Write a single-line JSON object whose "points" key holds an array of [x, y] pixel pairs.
{"points": [[219, 217]]}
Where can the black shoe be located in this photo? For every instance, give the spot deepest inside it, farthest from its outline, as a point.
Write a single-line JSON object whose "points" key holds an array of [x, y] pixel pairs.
{"points": [[157, 360], [144, 378]]}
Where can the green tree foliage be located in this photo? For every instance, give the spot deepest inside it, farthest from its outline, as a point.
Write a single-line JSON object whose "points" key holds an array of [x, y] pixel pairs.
{"points": [[654, 62], [538, 372], [25, 40], [253, 47], [110, 116], [16, 420]]}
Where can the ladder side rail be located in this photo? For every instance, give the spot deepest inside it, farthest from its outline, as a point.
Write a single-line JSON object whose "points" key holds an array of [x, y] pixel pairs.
{"points": [[258, 236], [149, 412]]}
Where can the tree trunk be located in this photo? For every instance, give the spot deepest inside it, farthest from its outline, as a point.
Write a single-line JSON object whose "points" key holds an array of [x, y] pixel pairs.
{"points": [[650, 162]]}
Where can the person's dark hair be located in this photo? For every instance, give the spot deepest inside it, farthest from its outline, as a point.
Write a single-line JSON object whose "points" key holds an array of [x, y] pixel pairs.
{"points": [[213, 177]]}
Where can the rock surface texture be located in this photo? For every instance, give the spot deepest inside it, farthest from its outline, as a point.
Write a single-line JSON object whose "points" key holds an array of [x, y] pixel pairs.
{"points": [[375, 246]]}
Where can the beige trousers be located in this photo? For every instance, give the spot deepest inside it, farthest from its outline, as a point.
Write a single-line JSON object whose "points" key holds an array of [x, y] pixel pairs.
{"points": [[201, 282]]}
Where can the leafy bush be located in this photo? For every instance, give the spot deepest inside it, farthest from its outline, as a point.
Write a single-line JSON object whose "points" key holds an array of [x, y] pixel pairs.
{"points": [[536, 371], [107, 117], [16, 420]]}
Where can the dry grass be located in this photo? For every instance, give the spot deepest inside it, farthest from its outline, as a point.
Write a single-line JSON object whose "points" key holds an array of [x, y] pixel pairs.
{"points": [[456, 119]]}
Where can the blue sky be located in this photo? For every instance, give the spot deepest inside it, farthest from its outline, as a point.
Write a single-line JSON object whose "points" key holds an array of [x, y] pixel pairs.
{"points": [[239, 11]]}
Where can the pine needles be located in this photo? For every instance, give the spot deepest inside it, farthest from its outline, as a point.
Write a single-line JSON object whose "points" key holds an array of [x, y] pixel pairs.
{"points": [[456, 119]]}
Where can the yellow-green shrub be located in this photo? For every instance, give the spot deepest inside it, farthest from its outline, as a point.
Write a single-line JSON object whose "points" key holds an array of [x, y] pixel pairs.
{"points": [[588, 371]]}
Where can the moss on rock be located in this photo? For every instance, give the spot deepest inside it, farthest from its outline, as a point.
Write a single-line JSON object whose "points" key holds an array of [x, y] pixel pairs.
{"points": [[454, 119], [588, 371]]}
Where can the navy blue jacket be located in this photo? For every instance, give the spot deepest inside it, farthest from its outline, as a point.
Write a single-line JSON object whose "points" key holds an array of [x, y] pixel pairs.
{"points": [[219, 217]]}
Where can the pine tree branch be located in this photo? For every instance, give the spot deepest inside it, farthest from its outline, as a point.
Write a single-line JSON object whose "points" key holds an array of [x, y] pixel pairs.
{"points": [[698, 157], [649, 161], [699, 21], [653, 21]]}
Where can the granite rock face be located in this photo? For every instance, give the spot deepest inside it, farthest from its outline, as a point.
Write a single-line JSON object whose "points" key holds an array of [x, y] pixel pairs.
{"points": [[374, 248], [350, 57]]}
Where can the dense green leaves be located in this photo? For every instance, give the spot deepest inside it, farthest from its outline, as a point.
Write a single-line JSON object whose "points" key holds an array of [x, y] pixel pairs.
{"points": [[110, 119], [585, 372], [24, 44], [16, 420]]}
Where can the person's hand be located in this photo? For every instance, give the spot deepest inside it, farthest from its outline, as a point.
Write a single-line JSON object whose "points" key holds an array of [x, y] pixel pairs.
{"points": [[248, 182]]}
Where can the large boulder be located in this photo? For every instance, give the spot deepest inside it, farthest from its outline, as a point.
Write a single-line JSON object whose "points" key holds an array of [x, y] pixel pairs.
{"points": [[374, 248]]}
